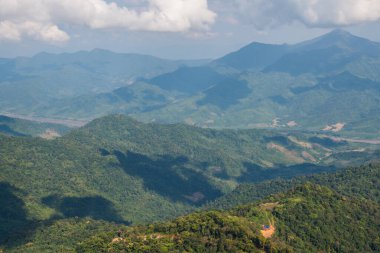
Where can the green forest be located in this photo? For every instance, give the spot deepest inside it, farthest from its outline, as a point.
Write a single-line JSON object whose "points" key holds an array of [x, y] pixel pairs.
{"points": [[308, 218], [118, 173]]}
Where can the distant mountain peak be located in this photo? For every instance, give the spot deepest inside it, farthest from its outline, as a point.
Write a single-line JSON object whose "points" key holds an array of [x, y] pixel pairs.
{"points": [[255, 55], [99, 50], [339, 32], [339, 36], [341, 39]]}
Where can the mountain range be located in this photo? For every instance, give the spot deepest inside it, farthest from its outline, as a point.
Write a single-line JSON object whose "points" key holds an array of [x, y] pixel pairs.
{"points": [[332, 79]]}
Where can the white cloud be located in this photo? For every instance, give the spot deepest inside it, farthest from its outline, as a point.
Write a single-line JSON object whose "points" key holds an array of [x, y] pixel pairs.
{"points": [[40, 19], [313, 13], [44, 32]]}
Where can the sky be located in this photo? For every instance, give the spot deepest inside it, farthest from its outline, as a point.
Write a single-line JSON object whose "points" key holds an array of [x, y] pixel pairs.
{"points": [[175, 29]]}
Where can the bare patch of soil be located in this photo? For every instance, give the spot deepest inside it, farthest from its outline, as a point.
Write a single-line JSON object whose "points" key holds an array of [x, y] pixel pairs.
{"points": [[50, 134], [117, 240], [300, 143], [291, 123], [289, 154], [308, 156], [268, 232], [335, 127]]}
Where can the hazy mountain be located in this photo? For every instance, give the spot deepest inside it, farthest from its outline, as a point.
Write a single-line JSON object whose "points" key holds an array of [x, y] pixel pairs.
{"points": [[216, 94], [312, 84], [341, 39], [328, 54], [330, 80], [18, 127], [188, 80], [253, 56], [26, 84]]}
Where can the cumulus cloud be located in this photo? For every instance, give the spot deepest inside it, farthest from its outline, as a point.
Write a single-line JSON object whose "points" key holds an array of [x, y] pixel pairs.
{"points": [[46, 32], [313, 13], [41, 19]]}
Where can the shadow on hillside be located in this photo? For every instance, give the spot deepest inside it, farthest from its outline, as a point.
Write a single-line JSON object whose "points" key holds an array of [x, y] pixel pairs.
{"points": [[9, 131], [95, 207], [16, 229], [256, 173], [169, 177], [6, 129], [13, 216]]}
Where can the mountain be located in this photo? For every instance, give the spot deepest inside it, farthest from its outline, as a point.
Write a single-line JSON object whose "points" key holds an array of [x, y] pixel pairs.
{"points": [[188, 80], [326, 54], [315, 85], [330, 80], [309, 218], [122, 171], [330, 53], [253, 56], [341, 39], [258, 100], [41, 80]]}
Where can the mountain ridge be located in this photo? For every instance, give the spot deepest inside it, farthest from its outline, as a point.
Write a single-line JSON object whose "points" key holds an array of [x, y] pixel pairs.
{"points": [[217, 95]]}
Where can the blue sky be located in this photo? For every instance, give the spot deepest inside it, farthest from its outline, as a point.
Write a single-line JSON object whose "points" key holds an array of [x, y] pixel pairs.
{"points": [[175, 29]]}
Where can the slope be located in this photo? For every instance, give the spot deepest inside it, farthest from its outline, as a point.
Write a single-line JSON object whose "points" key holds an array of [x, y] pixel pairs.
{"points": [[361, 182], [119, 170], [328, 80], [188, 80], [30, 83], [329, 53], [254, 56], [309, 218]]}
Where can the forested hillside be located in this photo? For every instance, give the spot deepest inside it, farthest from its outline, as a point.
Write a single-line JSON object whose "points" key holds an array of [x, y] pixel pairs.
{"points": [[362, 182], [309, 218], [119, 170]]}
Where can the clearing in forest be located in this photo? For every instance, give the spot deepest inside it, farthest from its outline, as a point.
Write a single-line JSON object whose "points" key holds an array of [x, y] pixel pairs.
{"points": [[268, 232]]}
